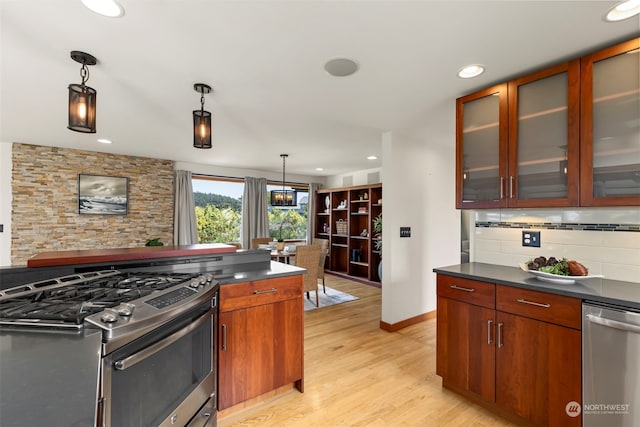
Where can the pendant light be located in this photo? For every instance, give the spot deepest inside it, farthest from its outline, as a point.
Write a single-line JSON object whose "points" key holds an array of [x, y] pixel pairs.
{"points": [[82, 98], [202, 119], [284, 197]]}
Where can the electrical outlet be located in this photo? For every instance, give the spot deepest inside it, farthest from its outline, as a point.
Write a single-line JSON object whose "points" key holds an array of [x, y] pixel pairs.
{"points": [[531, 238], [405, 231]]}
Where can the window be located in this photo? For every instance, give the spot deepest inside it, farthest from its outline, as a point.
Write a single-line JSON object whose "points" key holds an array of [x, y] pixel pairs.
{"points": [[218, 209], [218, 204], [289, 222]]}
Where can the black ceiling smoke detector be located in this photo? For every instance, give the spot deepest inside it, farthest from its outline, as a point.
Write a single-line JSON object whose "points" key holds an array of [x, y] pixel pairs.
{"points": [[284, 197], [82, 98], [202, 119]]}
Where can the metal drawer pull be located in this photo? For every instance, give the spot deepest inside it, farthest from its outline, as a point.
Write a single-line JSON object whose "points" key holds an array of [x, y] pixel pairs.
{"points": [[537, 304], [500, 335], [224, 337], [268, 291], [489, 323], [462, 289], [501, 187]]}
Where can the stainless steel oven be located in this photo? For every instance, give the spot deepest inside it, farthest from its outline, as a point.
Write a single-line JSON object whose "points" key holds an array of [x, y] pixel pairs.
{"points": [[144, 349], [162, 378]]}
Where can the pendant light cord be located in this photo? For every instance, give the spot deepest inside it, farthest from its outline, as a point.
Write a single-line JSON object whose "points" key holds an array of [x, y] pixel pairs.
{"points": [[284, 156]]}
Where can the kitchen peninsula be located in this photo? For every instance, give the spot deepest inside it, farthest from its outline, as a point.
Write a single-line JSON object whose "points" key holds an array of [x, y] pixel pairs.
{"points": [[258, 334]]}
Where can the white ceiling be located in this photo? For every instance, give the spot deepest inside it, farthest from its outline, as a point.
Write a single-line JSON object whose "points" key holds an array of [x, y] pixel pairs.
{"points": [[265, 61]]}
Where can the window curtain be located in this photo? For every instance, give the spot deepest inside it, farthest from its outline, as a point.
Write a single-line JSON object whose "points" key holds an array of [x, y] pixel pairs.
{"points": [[255, 220], [185, 229], [311, 217]]}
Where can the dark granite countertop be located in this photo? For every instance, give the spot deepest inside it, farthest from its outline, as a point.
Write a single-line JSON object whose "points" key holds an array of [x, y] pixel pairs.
{"points": [[258, 271], [626, 294]]}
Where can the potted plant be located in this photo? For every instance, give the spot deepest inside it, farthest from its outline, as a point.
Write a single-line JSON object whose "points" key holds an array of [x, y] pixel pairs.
{"points": [[154, 242], [377, 243], [283, 222]]}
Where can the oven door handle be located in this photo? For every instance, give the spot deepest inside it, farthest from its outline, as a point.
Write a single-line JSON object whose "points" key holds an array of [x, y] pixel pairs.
{"points": [[129, 361]]}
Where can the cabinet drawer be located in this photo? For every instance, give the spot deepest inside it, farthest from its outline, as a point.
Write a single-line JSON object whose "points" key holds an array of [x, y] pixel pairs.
{"points": [[250, 294], [467, 290], [543, 306]]}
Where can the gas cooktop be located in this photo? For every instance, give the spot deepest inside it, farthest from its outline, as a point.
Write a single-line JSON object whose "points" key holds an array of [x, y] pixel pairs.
{"points": [[69, 300]]}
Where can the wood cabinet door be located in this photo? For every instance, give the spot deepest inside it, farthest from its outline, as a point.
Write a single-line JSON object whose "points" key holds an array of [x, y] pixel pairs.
{"points": [[538, 369], [288, 335], [260, 348], [481, 148], [609, 131], [246, 356], [544, 126], [465, 353]]}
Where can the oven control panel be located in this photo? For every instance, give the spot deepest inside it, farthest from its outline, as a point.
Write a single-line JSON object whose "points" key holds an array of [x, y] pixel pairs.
{"points": [[170, 298]]}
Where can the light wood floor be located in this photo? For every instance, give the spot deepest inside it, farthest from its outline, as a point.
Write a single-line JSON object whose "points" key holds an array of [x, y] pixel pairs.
{"points": [[356, 374]]}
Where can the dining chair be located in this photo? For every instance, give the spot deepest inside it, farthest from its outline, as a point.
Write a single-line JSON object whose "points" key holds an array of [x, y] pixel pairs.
{"points": [[257, 241], [307, 257], [324, 251]]}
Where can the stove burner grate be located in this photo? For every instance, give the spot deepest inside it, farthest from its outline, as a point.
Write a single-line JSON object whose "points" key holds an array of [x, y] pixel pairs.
{"points": [[72, 303]]}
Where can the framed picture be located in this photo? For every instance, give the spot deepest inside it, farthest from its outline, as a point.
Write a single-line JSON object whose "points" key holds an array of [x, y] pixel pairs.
{"points": [[102, 195]]}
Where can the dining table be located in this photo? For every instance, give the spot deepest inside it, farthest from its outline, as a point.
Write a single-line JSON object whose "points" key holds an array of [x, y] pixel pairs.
{"points": [[282, 256]]}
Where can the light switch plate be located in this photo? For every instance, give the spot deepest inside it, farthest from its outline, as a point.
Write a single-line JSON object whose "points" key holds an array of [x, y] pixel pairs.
{"points": [[531, 238]]}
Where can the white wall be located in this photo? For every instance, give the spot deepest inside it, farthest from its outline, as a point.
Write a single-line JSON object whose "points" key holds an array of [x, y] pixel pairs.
{"points": [[418, 178], [5, 203], [357, 177], [615, 254]]}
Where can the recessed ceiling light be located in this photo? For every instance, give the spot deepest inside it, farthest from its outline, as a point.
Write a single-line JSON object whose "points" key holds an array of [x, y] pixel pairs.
{"points": [[341, 67], [372, 158], [104, 141], [470, 71], [623, 10], [109, 8], [319, 169]]}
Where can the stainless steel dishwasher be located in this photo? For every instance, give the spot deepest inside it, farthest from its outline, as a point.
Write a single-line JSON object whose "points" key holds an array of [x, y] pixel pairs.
{"points": [[610, 371]]}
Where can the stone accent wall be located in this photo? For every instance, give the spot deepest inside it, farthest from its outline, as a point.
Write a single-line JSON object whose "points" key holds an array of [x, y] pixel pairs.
{"points": [[45, 201]]}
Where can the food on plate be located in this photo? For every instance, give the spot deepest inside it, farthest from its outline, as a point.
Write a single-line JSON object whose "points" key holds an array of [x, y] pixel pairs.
{"points": [[577, 269], [562, 267]]}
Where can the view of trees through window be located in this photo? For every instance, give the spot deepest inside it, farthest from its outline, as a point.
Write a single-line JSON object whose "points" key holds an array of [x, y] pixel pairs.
{"points": [[219, 212]]}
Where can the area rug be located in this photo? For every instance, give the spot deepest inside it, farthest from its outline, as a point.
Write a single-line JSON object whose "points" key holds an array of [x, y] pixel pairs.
{"points": [[332, 297]]}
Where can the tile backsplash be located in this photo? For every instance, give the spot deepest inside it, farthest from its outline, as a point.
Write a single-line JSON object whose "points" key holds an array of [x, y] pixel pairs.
{"points": [[606, 240]]}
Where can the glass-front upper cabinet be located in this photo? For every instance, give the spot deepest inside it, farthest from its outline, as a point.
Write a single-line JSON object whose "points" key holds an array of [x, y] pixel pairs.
{"points": [[544, 138], [481, 143], [610, 126]]}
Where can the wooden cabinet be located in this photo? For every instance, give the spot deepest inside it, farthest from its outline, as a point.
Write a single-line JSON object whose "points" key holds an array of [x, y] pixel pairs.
{"points": [[544, 138], [481, 148], [260, 338], [563, 136], [610, 107], [538, 356], [345, 217], [465, 354], [518, 142], [516, 349]]}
